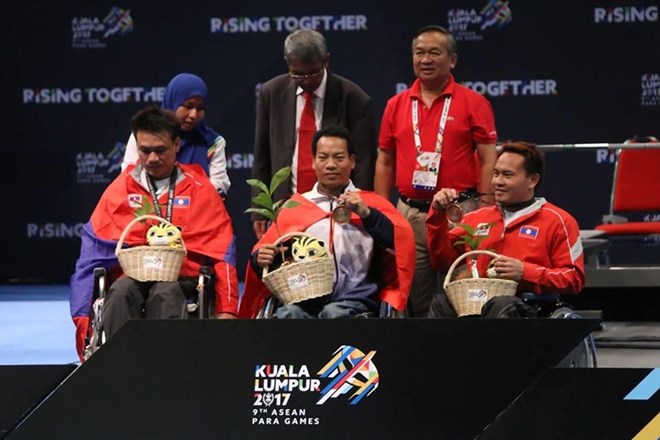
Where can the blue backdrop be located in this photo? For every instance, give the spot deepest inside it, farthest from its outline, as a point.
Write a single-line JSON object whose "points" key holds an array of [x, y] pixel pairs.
{"points": [[74, 73]]}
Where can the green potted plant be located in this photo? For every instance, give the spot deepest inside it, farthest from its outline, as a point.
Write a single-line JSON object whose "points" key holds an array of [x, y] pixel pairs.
{"points": [[292, 281], [267, 207], [472, 241]]}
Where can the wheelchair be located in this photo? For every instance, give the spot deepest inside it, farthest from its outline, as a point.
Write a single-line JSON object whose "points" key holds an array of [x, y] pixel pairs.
{"points": [[550, 305], [199, 307]]}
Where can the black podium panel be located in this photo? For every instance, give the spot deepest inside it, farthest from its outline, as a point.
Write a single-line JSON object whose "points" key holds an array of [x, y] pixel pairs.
{"points": [[359, 378], [22, 387], [607, 403]]}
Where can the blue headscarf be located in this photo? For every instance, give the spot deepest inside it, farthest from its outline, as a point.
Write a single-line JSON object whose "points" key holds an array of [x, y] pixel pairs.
{"points": [[196, 142]]}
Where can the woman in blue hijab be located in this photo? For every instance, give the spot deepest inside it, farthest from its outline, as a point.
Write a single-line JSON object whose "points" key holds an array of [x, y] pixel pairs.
{"points": [[186, 96]]}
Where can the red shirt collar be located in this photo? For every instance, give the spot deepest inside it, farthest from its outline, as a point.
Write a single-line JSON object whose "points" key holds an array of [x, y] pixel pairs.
{"points": [[415, 91]]}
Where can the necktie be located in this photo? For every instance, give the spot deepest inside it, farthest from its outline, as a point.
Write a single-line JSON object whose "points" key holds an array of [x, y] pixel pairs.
{"points": [[306, 176]]}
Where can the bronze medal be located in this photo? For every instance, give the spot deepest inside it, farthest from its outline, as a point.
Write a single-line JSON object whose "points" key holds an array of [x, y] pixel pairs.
{"points": [[341, 215], [454, 213]]}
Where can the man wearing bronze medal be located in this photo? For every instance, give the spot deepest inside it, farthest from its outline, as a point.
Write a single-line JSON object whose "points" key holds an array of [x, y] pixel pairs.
{"points": [[183, 195], [538, 244], [370, 242], [436, 134]]}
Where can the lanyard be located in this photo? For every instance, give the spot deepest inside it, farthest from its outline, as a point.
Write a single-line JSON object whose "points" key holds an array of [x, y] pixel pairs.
{"points": [[170, 195], [441, 127]]}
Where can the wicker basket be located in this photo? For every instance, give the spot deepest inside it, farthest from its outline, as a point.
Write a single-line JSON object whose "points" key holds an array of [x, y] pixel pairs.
{"points": [[469, 295], [150, 263], [300, 281]]}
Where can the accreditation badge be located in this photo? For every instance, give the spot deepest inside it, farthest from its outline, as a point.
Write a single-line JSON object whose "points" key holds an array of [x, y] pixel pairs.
{"points": [[425, 175]]}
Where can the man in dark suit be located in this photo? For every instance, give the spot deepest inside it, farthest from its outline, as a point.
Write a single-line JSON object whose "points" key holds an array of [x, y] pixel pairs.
{"points": [[281, 112]]}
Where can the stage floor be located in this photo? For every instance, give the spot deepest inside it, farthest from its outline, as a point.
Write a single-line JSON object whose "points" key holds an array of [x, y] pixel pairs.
{"points": [[36, 329]]}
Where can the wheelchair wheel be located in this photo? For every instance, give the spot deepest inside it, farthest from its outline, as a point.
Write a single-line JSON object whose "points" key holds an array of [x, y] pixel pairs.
{"points": [[387, 311], [584, 354], [267, 310]]}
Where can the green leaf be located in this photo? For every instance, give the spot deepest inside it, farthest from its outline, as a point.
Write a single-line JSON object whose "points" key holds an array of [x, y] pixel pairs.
{"points": [[280, 176], [291, 204], [261, 211], [264, 200], [145, 208], [267, 207], [469, 229], [469, 239], [258, 184]]}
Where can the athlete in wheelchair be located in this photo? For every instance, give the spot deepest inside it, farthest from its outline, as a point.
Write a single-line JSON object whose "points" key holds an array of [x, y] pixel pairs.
{"points": [[184, 197], [538, 244], [369, 244], [200, 300]]}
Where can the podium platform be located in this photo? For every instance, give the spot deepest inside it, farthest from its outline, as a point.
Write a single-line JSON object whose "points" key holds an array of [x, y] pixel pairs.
{"points": [[612, 403], [22, 387], [357, 378]]}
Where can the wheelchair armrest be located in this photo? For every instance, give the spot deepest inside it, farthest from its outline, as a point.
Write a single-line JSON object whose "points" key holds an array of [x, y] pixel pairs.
{"points": [[99, 282], [203, 302], [531, 297]]}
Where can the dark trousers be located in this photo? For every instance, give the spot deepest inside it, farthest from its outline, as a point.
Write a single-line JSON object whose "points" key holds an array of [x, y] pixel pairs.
{"points": [[498, 307], [130, 299], [507, 307]]}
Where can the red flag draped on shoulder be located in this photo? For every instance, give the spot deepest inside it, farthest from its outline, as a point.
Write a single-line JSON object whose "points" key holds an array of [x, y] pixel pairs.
{"points": [[397, 272], [206, 229]]}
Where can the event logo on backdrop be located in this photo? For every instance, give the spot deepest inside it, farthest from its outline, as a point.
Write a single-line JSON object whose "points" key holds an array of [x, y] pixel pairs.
{"points": [[605, 156], [469, 25], [514, 87], [626, 14], [50, 230], [92, 32], [98, 167], [240, 161], [93, 95], [350, 374], [322, 23], [651, 89]]}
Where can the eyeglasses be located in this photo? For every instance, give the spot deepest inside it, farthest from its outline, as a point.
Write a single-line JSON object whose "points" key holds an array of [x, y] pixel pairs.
{"points": [[298, 77]]}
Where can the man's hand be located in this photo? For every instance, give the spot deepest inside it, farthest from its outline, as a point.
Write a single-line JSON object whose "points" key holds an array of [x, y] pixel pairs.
{"points": [[443, 198], [508, 268], [353, 201], [266, 254], [259, 227]]}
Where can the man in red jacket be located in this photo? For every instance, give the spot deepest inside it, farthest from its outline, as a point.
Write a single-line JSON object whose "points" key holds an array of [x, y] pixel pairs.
{"points": [[538, 243], [183, 195], [372, 248]]}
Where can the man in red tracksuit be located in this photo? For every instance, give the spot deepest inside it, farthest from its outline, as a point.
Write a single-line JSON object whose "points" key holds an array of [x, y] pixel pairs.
{"points": [[538, 243]]}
